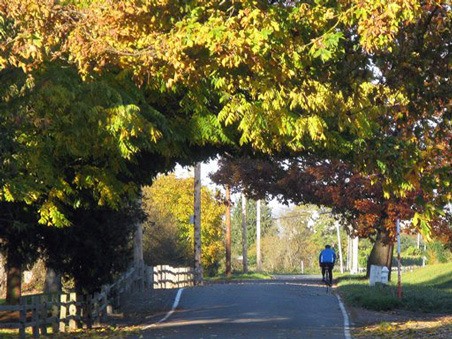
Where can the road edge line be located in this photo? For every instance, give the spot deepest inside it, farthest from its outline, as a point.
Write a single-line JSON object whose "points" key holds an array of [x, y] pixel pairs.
{"points": [[346, 320], [173, 308]]}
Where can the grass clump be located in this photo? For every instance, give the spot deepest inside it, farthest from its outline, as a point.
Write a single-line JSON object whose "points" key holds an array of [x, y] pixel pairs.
{"points": [[427, 289]]}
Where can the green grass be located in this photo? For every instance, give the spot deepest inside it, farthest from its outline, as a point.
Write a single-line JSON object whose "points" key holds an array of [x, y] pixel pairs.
{"points": [[437, 276], [427, 289], [240, 276]]}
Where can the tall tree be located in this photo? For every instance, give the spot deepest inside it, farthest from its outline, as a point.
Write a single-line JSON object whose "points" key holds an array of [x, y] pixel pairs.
{"points": [[358, 198], [254, 72], [63, 138], [292, 241], [168, 204], [258, 73], [269, 76]]}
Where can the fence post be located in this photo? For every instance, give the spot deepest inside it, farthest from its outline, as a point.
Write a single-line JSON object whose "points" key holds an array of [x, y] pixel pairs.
{"points": [[55, 313], [73, 311], [63, 312], [22, 321], [157, 276], [149, 277], [167, 273], [44, 313], [35, 310]]}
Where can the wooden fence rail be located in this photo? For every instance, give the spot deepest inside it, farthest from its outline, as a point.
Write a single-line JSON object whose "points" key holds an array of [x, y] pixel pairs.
{"points": [[165, 276], [60, 311], [67, 312]]}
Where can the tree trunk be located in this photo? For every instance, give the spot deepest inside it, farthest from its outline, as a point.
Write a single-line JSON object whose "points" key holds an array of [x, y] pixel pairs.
{"points": [[13, 280], [381, 254]]}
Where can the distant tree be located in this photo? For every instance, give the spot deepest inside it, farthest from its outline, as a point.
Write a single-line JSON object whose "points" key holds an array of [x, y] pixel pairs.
{"points": [[236, 224], [168, 204], [358, 198], [290, 242], [161, 237]]}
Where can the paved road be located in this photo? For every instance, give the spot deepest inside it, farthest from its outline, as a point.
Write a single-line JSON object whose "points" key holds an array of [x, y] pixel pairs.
{"points": [[282, 308]]}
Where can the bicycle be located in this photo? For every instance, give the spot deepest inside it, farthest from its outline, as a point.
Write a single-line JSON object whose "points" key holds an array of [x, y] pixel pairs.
{"points": [[327, 280]]}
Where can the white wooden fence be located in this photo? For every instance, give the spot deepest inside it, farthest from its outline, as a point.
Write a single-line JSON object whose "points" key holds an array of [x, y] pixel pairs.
{"points": [[67, 312], [165, 276]]}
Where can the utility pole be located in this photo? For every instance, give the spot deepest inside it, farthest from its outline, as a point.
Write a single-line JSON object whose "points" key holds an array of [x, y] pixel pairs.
{"points": [[339, 245], [355, 243], [258, 236], [198, 274], [244, 237], [348, 264], [138, 239], [228, 231], [399, 262]]}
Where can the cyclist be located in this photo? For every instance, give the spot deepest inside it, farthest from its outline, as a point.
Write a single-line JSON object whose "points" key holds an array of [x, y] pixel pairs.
{"points": [[327, 258]]}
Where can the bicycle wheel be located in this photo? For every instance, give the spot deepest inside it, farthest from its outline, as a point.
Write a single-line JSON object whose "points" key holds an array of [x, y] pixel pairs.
{"points": [[328, 281]]}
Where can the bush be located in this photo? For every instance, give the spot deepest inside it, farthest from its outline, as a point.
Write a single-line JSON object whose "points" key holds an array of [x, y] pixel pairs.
{"points": [[437, 253], [412, 251], [408, 261]]}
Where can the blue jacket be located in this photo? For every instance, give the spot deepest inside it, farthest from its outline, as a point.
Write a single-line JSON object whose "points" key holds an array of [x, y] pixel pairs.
{"points": [[327, 256]]}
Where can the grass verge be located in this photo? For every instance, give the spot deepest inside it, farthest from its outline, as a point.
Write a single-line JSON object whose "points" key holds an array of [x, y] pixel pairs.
{"points": [[427, 289], [239, 276]]}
